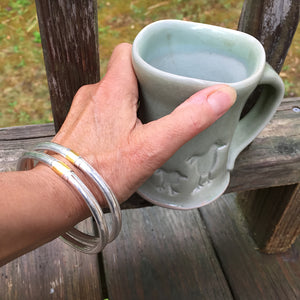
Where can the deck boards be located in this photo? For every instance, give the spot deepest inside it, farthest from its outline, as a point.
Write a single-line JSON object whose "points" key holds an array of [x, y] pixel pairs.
{"points": [[251, 274], [53, 271], [163, 254]]}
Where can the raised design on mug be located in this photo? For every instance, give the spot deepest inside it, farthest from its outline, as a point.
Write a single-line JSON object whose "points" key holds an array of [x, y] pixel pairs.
{"points": [[167, 182], [207, 166], [201, 169]]}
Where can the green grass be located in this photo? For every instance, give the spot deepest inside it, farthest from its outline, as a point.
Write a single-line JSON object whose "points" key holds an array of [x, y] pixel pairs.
{"points": [[37, 37], [24, 97]]}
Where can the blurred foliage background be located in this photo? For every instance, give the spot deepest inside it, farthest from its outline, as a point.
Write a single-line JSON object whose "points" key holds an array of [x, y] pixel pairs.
{"points": [[24, 97]]}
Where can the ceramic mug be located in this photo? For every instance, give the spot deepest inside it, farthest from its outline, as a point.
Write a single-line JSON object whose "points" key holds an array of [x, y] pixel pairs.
{"points": [[174, 59]]}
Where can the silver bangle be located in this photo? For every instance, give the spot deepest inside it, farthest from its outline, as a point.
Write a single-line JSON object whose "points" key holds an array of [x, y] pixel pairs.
{"points": [[75, 238], [85, 167]]}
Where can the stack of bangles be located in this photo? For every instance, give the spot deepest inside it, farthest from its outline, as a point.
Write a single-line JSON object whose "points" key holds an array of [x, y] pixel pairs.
{"points": [[75, 238]]}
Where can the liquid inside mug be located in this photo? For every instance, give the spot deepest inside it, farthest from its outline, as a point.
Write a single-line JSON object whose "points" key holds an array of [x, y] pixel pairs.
{"points": [[174, 59]]}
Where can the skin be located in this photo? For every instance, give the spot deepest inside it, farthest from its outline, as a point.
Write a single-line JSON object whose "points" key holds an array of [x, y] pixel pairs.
{"points": [[102, 126]]}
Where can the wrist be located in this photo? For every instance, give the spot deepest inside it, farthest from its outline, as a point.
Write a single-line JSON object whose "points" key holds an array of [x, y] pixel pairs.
{"points": [[64, 200], [79, 240], [40, 202], [86, 179]]}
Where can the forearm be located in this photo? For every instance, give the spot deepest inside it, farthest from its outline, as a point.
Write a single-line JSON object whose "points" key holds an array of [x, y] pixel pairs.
{"points": [[36, 207]]}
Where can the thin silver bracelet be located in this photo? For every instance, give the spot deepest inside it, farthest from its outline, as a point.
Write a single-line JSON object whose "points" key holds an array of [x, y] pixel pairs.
{"points": [[85, 167], [75, 238]]}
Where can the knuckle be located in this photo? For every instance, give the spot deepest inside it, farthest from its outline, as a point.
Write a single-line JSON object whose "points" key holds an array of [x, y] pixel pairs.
{"points": [[199, 119], [85, 89]]}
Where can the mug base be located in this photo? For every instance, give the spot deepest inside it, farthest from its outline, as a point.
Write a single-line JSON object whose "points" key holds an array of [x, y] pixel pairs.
{"points": [[184, 201]]}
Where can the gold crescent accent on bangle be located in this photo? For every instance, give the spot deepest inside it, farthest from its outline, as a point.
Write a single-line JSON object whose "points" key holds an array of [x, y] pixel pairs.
{"points": [[87, 169]]}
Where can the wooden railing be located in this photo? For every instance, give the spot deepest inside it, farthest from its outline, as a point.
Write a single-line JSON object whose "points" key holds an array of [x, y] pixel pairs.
{"points": [[271, 164]]}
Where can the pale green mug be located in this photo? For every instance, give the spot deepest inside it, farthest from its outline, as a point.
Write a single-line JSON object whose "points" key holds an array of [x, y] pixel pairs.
{"points": [[174, 59]]}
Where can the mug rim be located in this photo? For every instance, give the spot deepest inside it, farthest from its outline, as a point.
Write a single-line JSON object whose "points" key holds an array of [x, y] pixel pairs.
{"points": [[152, 27]]}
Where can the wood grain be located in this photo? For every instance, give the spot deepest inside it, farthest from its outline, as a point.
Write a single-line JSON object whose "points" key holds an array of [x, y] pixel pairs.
{"points": [[53, 271], [274, 24], [69, 34], [273, 216], [26, 132], [163, 254], [251, 274], [268, 20], [278, 144]]}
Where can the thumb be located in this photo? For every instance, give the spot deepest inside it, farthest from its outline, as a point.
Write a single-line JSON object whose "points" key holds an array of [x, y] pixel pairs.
{"points": [[169, 133]]}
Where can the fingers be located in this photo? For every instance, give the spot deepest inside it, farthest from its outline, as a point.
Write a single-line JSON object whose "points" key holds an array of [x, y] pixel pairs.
{"points": [[166, 135]]}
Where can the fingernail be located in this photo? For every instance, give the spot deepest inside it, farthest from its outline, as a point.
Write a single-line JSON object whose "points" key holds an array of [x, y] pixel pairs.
{"points": [[222, 99]]}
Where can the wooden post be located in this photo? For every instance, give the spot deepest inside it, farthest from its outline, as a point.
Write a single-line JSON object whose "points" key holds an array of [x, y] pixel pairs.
{"points": [[272, 213], [273, 23], [69, 34]]}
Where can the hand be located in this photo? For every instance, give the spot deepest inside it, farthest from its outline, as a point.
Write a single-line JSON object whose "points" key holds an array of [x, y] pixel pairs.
{"points": [[102, 125]]}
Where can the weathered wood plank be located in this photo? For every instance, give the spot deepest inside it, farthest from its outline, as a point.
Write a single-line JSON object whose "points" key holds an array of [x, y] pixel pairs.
{"points": [[163, 254], [26, 132], [11, 151], [69, 34], [278, 145], [273, 216], [251, 274], [53, 271]]}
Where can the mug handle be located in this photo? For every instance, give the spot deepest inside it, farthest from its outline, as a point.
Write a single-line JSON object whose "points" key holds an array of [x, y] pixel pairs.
{"points": [[259, 116]]}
